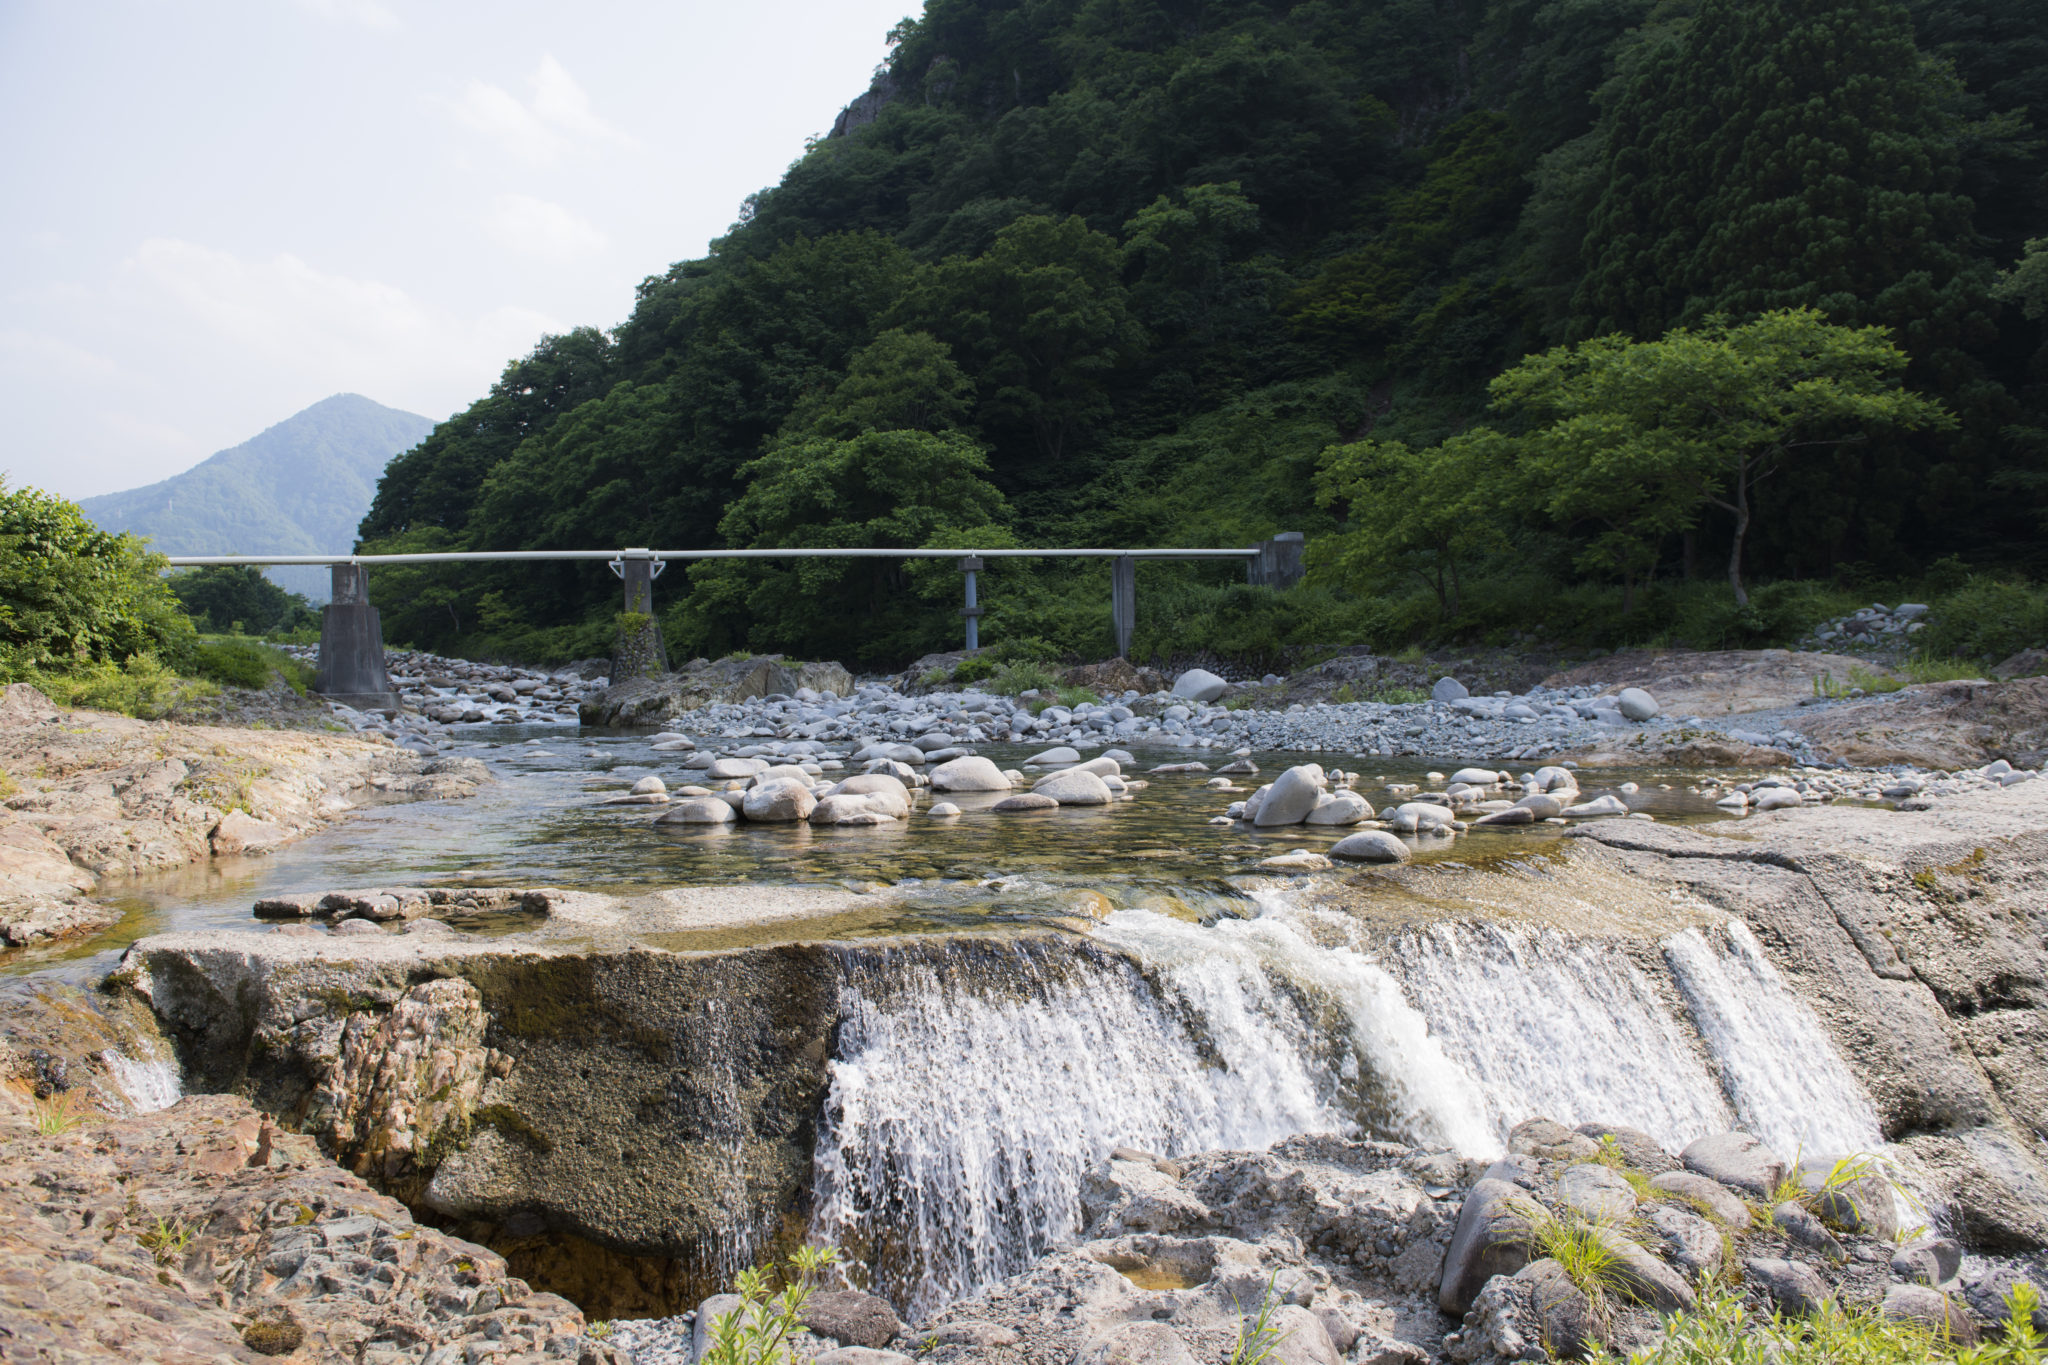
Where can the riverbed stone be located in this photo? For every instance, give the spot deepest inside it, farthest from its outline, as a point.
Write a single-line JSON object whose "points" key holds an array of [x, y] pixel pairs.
{"points": [[1688, 1241], [851, 1317], [1636, 704], [1340, 808], [1448, 689], [702, 810], [970, 774], [1291, 797], [1945, 1315], [1569, 1327], [1137, 1343], [778, 803], [1198, 684], [1058, 754], [1859, 1204], [1599, 806], [1722, 1203], [1641, 1151], [726, 769], [1514, 815], [845, 809], [1023, 801], [1371, 846], [1794, 1286], [650, 786], [1296, 860], [1597, 1192], [1492, 1237], [1928, 1260], [1074, 787], [944, 810], [1737, 1160], [1799, 1225]]}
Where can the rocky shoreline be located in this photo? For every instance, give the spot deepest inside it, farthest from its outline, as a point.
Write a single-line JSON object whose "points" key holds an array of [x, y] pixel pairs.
{"points": [[90, 795]]}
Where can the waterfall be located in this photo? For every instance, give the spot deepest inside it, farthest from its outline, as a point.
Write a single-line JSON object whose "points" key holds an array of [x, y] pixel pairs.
{"points": [[1572, 1030], [1787, 1081], [965, 1106], [973, 1088], [149, 1085]]}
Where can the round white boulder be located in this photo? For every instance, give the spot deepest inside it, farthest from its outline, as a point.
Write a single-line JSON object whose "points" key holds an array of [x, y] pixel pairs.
{"points": [[970, 774], [1198, 684]]}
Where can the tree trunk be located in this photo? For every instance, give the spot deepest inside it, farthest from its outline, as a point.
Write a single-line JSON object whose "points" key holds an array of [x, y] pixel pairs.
{"points": [[1741, 530]]}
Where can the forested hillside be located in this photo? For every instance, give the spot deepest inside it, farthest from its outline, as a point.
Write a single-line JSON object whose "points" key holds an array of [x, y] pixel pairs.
{"points": [[1177, 272]]}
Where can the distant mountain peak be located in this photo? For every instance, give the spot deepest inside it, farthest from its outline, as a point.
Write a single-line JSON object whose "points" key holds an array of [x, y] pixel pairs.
{"points": [[300, 486]]}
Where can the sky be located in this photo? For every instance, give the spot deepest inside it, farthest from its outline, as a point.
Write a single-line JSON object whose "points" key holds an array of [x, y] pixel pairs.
{"points": [[214, 213]]}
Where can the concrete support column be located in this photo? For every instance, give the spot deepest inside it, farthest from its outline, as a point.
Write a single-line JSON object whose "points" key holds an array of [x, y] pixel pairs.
{"points": [[1123, 601], [639, 651], [351, 666], [970, 566], [1279, 561]]}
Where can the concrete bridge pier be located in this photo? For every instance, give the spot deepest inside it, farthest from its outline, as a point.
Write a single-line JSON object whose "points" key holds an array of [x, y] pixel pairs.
{"points": [[1279, 562], [638, 651], [351, 667]]}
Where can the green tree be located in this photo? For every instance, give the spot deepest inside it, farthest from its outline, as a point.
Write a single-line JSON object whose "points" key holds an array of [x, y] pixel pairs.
{"points": [[2026, 284], [225, 597], [1420, 511], [1042, 319], [73, 594], [878, 489], [1708, 415], [900, 381]]}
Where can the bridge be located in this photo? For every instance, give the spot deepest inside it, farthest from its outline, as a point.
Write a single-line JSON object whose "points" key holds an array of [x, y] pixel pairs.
{"points": [[351, 667]]}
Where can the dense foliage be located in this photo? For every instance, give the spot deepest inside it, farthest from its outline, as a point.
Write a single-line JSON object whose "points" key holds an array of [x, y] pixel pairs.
{"points": [[1099, 272], [229, 599], [73, 596]]}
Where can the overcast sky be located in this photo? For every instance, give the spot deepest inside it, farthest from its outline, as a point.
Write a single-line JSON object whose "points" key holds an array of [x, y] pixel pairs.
{"points": [[217, 212]]}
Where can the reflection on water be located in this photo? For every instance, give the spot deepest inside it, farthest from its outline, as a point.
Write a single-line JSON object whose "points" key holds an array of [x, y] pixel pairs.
{"points": [[542, 825]]}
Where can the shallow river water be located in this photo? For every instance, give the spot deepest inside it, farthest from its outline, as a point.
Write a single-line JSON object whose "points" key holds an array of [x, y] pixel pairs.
{"points": [[542, 824]]}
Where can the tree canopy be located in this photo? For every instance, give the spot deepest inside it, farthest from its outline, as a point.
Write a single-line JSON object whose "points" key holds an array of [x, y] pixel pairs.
{"points": [[1149, 261]]}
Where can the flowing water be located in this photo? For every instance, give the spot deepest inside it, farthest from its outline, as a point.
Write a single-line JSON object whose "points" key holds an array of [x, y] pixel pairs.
{"points": [[1206, 1007]]}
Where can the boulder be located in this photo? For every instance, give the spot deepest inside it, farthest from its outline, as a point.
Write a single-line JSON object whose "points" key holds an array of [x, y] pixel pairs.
{"points": [[1641, 1276], [1022, 801], [1541, 806], [1794, 1286], [1513, 815], [1944, 1315], [1549, 1140], [1074, 787], [1736, 1160], [1476, 777], [851, 1317], [1371, 846], [1295, 860], [972, 774], [1301, 1338], [1058, 755], [1688, 1241], [1291, 797], [729, 769], [1597, 807], [1199, 685], [973, 1332], [779, 803], [1720, 1202], [1412, 817], [1135, 1343], [1858, 1204], [885, 790], [1928, 1260], [1641, 1151], [1492, 1238], [1340, 808], [943, 810], [1602, 1195], [1636, 704], [848, 809], [650, 786], [1567, 1324], [241, 833], [1801, 1228], [1448, 689]]}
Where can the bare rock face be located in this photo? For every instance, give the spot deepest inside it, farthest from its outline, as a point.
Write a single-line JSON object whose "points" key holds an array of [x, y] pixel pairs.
{"points": [[203, 1233], [1938, 725]]}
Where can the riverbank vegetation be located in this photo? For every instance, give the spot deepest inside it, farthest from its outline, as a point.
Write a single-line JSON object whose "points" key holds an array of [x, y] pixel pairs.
{"points": [[88, 618]]}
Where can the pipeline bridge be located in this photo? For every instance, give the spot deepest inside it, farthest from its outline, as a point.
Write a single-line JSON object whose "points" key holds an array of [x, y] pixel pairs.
{"points": [[351, 666]]}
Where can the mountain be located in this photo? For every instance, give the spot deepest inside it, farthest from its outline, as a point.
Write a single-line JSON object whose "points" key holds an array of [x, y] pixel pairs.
{"points": [[298, 488]]}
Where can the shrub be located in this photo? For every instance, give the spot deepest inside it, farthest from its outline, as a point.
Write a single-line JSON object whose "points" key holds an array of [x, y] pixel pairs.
{"points": [[1010, 679], [974, 669], [1986, 620], [1720, 1328], [72, 594], [245, 663], [142, 687], [758, 1332]]}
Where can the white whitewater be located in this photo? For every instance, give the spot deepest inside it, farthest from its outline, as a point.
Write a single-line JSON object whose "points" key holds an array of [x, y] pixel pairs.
{"points": [[964, 1111], [1788, 1083], [1543, 1024], [149, 1085], [969, 1097]]}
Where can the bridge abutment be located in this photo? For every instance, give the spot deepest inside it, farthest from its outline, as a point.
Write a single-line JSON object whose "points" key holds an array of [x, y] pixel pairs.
{"points": [[351, 668]]}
